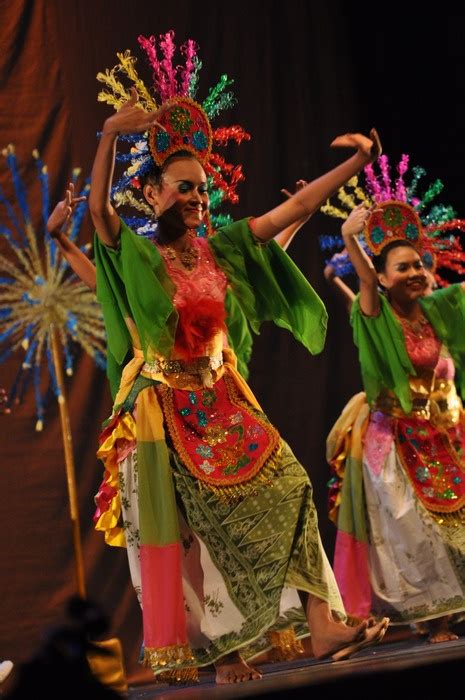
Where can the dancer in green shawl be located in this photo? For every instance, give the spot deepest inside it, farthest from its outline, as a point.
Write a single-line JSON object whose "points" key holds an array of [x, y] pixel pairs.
{"points": [[214, 509], [401, 457]]}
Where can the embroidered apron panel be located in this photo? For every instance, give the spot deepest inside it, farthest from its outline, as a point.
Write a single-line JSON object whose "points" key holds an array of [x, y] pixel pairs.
{"points": [[435, 463], [221, 439]]}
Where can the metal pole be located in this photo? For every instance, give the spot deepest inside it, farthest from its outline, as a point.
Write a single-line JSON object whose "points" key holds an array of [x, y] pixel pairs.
{"points": [[69, 464], [107, 665]]}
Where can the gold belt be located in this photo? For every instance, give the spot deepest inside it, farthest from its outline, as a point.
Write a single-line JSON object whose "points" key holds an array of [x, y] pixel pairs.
{"points": [[440, 404], [200, 367]]}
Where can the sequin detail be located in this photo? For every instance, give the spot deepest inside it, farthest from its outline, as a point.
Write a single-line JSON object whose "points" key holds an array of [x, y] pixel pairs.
{"points": [[425, 353], [433, 461], [199, 300], [215, 439]]}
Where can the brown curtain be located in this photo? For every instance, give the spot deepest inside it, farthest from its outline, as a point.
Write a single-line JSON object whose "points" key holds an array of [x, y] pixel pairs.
{"points": [[294, 65]]}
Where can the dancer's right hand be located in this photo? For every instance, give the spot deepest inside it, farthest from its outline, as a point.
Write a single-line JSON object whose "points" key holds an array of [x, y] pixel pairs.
{"points": [[131, 118], [370, 147], [299, 185], [330, 269], [355, 222]]}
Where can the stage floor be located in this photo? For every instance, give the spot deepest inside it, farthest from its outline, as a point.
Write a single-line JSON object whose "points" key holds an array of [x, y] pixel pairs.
{"points": [[395, 664]]}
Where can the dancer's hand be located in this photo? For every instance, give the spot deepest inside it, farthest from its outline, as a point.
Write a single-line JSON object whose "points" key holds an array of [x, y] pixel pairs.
{"points": [[355, 222], [329, 273], [370, 148], [330, 269], [61, 215], [131, 118], [299, 185], [284, 237]]}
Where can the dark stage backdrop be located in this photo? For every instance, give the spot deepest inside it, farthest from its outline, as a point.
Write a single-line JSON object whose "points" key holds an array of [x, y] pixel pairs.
{"points": [[304, 72]]}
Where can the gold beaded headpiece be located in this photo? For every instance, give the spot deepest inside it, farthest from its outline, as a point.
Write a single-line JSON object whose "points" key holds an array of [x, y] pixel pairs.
{"points": [[399, 213], [186, 125]]}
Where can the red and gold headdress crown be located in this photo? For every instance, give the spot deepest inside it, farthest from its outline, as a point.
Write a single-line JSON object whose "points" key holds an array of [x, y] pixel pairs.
{"points": [[399, 213], [392, 221], [186, 125]]}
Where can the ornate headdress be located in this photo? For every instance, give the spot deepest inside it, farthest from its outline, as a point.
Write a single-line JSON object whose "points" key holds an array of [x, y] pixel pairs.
{"points": [[399, 213], [186, 126]]}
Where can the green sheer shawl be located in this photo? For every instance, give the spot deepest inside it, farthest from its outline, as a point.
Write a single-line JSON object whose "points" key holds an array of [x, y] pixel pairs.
{"points": [[135, 291], [383, 354]]}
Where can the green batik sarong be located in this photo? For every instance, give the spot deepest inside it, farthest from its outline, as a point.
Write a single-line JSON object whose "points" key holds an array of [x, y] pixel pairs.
{"points": [[257, 551]]}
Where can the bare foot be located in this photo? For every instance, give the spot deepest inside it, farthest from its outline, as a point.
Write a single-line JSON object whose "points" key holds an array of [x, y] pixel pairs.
{"points": [[343, 643], [370, 147], [439, 631], [420, 628], [232, 668]]}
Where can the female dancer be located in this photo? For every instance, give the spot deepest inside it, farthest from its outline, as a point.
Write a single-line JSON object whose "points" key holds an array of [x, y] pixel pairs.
{"points": [[403, 464], [213, 507]]}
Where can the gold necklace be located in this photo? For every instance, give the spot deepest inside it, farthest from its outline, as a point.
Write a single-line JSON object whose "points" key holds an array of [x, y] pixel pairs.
{"points": [[187, 257], [417, 326]]}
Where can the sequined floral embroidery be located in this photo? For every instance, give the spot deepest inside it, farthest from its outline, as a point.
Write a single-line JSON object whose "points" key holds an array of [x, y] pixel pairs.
{"points": [[226, 441], [432, 464]]}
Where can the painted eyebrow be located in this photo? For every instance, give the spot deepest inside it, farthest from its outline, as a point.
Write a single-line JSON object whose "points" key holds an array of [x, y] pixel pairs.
{"points": [[416, 262], [190, 182]]}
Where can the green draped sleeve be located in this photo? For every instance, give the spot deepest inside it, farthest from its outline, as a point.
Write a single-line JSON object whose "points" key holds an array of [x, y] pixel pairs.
{"points": [[135, 292], [383, 356], [269, 286], [445, 309], [239, 335], [136, 295]]}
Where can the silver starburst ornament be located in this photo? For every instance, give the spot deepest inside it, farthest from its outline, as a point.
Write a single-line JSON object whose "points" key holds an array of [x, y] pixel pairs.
{"points": [[45, 310]]}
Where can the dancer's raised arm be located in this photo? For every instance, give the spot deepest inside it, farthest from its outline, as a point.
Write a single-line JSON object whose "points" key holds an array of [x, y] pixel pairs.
{"points": [[307, 200], [130, 119], [58, 219], [369, 290], [343, 291]]}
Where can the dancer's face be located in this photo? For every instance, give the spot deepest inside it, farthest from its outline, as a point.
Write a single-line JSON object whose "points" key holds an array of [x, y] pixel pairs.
{"points": [[404, 276], [181, 200]]}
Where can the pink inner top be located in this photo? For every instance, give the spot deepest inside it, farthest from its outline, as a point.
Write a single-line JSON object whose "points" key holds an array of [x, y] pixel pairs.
{"points": [[206, 280], [425, 351], [199, 300]]}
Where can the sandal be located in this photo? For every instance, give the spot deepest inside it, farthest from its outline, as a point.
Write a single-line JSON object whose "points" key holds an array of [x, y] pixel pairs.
{"points": [[351, 649]]}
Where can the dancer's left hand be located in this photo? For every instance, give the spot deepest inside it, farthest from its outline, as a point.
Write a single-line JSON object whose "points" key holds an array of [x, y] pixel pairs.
{"points": [[61, 215]]}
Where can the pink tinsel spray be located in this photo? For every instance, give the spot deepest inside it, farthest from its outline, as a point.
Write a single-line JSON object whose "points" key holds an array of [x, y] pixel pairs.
{"points": [[384, 167], [150, 49], [189, 51], [168, 49], [373, 185], [401, 192], [161, 81]]}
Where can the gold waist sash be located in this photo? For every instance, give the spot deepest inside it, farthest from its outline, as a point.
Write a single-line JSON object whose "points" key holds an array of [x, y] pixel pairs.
{"points": [[180, 373], [433, 399]]}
